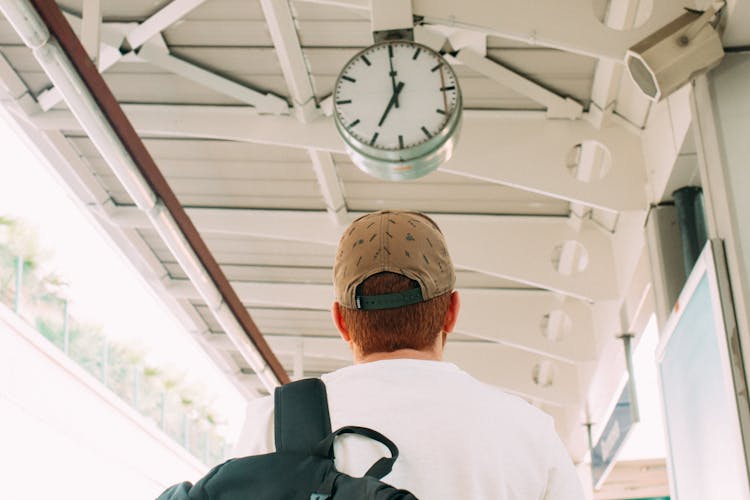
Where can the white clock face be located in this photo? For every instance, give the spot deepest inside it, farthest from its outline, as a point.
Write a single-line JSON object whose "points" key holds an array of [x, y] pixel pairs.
{"points": [[395, 95]]}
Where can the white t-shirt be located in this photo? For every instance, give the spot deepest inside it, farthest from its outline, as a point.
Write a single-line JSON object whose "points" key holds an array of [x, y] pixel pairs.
{"points": [[458, 438]]}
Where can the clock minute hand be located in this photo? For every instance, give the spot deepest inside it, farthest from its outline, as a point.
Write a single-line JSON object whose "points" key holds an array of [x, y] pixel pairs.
{"points": [[392, 73], [393, 100]]}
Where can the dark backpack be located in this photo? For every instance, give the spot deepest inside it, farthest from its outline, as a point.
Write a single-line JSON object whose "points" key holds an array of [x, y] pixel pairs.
{"points": [[302, 467]]}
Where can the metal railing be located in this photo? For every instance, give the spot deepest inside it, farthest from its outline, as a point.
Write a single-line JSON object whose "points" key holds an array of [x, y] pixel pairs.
{"points": [[149, 390]]}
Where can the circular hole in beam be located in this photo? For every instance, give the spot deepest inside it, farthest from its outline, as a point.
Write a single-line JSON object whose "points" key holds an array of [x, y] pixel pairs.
{"points": [[588, 161], [623, 16], [543, 373], [569, 257], [556, 325]]}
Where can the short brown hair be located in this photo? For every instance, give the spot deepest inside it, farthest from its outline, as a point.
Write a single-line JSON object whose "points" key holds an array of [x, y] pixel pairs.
{"points": [[415, 326]]}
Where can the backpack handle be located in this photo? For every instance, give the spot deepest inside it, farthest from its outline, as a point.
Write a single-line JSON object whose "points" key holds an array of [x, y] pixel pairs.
{"points": [[380, 468]]}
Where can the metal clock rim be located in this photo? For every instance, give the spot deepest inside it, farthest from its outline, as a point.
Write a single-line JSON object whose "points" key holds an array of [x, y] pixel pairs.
{"points": [[407, 154]]}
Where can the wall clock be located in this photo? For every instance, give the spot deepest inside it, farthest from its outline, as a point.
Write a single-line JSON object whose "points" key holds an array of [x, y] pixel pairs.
{"points": [[397, 105]]}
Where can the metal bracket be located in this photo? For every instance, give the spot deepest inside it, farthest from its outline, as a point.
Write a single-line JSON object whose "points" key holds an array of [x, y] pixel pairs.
{"points": [[399, 34]]}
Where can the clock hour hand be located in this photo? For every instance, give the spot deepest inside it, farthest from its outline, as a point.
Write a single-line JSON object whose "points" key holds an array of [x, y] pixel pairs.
{"points": [[391, 103]]}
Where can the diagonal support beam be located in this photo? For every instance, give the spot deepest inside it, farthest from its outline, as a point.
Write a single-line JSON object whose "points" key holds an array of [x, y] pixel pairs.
{"points": [[522, 249], [557, 106], [330, 185], [529, 153], [156, 52], [297, 77], [92, 22], [283, 31], [168, 15]]}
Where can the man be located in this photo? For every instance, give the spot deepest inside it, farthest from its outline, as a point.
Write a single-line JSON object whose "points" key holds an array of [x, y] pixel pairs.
{"points": [[459, 438]]}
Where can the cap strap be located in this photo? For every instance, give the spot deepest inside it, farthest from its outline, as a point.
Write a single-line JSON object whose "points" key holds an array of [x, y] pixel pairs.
{"points": [[389, 300]]}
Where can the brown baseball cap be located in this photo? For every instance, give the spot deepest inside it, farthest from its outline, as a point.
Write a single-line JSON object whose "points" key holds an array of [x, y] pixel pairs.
{"points": [[406, 243]]}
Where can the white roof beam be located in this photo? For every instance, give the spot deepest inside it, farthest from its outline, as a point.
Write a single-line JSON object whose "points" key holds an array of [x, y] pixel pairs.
{"points": [[330, 185], [92, 21], [557, 106], [539, 23], [528, 154], [531, 154], [286, 41], [511, 317], [517, 248], [155, 51], [496, 364], [289, 51], [168, 15]]}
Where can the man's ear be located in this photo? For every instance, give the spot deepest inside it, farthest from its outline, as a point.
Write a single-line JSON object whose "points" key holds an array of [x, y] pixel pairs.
{"points": [[338, 320], [452, 315]]}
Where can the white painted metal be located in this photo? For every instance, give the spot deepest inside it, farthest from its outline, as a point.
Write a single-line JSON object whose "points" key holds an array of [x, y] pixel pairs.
{"points": [[168, 15], [83, 106], [557, 106], [92, 20], [285, 39], [531, 154], [527, 154], [540, 23], [156, 52], [359, 5], [390, 15], [11, 86], [737, 20], [330, 185]]}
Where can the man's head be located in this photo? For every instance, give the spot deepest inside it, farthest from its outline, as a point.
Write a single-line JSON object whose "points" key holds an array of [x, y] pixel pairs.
{"points": [[394, 279]]}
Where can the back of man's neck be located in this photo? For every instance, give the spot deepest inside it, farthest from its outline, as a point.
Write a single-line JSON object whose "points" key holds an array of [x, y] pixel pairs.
{"points": [[399, 354]]}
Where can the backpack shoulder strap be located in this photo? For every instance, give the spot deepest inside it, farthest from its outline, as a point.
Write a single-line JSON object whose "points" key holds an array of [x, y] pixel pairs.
{"points": [[301, 418]]}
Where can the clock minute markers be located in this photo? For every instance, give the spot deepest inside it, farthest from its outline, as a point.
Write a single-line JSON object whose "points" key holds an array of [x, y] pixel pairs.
{"points": [[402, 62], [426, 123], [443, 89]]}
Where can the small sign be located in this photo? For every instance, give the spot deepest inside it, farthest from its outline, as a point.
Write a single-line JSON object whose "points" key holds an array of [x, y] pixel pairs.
{"points": [[618, 428]]}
